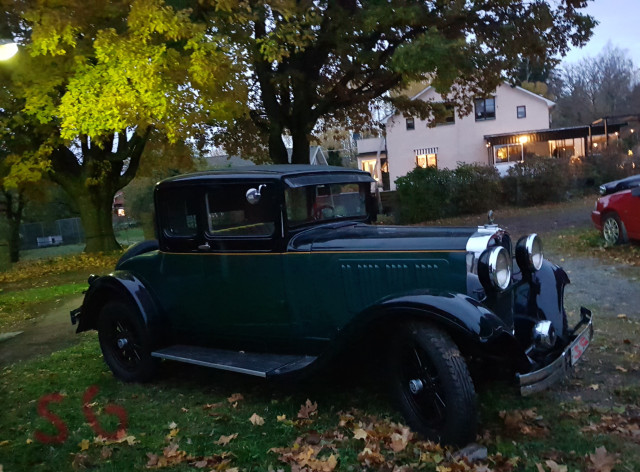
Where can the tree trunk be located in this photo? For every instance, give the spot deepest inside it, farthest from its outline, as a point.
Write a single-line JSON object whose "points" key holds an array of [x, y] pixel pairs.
{"points": [[95, 207], [277, 149], [300, 140]]}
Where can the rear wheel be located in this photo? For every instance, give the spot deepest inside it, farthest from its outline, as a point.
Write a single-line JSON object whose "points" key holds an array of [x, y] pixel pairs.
{"points": [[432, 386], [612, 230], [125, 342]]}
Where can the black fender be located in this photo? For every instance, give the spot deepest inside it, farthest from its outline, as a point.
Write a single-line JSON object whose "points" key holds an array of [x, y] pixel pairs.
{"points": [[542, 298], [119, 284], [475, 328], [137, 249]]}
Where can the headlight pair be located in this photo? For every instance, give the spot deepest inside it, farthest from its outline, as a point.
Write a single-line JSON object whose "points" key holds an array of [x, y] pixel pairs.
{"points": [[494, 265]]}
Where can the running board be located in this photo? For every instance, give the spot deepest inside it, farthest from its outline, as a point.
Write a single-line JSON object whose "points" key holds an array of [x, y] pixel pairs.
{"points": [[251, 363]]}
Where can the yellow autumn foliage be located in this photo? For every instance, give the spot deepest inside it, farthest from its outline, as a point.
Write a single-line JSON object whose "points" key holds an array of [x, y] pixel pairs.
{"points": [[59, 265]]}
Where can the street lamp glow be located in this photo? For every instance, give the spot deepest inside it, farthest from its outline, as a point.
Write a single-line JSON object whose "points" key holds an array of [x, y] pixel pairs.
{"points": [[8, 49]]}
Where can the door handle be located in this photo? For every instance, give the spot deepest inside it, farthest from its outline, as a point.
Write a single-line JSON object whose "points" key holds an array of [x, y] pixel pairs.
{"points": [[204, 247]]}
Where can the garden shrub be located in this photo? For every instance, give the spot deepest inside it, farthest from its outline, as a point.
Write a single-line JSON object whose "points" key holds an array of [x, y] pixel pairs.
{"points": [[424, 194], [537, 180], [476, 188]]}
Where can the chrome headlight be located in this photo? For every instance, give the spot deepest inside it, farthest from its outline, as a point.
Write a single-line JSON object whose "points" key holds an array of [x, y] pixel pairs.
{"points": [[494, 268], [602, 189], [529, 253]]}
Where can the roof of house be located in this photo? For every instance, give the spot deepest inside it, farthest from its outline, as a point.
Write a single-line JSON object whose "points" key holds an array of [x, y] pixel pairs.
{"points": [[548, 102]]}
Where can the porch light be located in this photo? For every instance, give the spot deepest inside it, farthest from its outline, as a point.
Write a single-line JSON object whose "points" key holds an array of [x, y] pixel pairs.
{"points": [[595, 145], [632, 130], [630, 153], [487, 144], [8, 49], [523, 139]]}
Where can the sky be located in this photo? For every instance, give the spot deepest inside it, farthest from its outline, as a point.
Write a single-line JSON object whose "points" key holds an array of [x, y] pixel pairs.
{"points": [[619, 24]]}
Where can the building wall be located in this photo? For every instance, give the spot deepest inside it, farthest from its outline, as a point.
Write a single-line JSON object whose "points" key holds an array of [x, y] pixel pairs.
{"points": [[462, 141]]}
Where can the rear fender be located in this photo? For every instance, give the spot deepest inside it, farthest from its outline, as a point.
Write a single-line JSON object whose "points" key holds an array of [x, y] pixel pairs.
{"points": [[118, 285]]}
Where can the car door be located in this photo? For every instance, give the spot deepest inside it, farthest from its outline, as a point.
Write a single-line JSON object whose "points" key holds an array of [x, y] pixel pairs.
{"points": [[242, 266], [631, 217]]}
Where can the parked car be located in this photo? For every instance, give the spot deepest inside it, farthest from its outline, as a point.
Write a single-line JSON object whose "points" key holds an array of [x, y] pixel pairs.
{"points": [[617, 211], [276, 270], [619, 185]]}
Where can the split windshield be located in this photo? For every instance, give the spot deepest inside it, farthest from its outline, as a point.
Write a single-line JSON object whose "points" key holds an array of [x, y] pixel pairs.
{"points": [[314, 203]]}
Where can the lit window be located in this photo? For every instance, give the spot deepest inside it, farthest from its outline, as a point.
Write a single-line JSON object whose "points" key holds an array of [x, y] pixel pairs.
{"points": [[427, 160], [485, 109], [508, 153], [411, 124], [521, 111]]}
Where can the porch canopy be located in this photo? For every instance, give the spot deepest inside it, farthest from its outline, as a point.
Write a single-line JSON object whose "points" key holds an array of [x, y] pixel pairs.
{"points": [[556, 134]]}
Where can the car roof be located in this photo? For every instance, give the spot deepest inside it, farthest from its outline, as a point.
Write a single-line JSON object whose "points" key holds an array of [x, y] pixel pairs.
{"points": [[270, 172]]}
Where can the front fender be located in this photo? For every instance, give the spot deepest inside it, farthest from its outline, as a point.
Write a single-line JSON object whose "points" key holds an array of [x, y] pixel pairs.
{"points": [[476, 329], [119, 284]]}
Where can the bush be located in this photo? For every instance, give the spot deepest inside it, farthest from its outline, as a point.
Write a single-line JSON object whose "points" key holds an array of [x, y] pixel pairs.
{"points": [[538, 180], [428, 194], [424, 194]]}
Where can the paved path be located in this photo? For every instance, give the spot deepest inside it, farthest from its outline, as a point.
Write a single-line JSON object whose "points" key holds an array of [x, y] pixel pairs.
{"points": [[42, 336]]}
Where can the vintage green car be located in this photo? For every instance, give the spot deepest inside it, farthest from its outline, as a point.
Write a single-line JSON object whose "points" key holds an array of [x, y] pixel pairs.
{"points": [[272, 270]]}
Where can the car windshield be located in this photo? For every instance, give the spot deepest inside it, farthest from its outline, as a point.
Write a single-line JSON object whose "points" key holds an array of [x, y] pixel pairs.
{"points": [[325, 202]]}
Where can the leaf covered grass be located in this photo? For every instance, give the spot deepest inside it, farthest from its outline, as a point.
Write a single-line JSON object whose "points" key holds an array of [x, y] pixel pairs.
{"points": [[191, 418], [18, 306], [588, 242]]}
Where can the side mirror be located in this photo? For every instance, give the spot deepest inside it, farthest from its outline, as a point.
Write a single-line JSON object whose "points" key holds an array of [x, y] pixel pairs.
{"points": [[254, 194]]}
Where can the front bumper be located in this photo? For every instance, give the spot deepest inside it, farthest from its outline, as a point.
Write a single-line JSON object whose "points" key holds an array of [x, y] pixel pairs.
{"points": [[542, 379]]}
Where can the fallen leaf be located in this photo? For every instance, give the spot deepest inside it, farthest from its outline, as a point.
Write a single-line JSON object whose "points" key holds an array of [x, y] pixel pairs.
{"points": [[224, 440], [360, 434], [236, 397], [200, 464], [4, 443], [622, 316], [84, 444], [540, 468], [184, 410], [554, 467], [602, 461], [308, 409], [80, 462], [173, 425], [621, 369], [281, 418], [106, 452], [29, 441], [210, 406], [173, 433], [594, 386], [256, 420]]}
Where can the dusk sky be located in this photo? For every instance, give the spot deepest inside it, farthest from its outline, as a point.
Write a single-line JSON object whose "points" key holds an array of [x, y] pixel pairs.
{"points": [[619, 24]]}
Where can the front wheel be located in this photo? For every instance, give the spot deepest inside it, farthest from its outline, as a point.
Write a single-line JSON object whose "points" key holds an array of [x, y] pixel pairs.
{"points": [[125, 342], [431, 384], [612, 230]]}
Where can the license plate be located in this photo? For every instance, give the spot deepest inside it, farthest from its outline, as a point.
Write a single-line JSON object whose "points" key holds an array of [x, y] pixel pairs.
{"points": [[579, 346]]}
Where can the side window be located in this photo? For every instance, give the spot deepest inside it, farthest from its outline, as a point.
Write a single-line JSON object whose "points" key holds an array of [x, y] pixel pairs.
{"points": [[229, 214], [180, 214]]}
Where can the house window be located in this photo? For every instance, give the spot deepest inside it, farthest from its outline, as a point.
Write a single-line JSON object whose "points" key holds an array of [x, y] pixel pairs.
{"points": [[485, 109], [427, 160], [522, 111], [507, 153], [446, 116], [411, 124]]}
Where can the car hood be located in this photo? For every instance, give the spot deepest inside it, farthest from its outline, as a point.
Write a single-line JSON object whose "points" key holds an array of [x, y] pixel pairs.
{"points": [[364, 237], [619, 185]]}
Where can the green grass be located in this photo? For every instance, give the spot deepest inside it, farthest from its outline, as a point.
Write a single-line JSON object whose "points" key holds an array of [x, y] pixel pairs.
{"points": [[195, 399], [21, 305], [589, 243]]}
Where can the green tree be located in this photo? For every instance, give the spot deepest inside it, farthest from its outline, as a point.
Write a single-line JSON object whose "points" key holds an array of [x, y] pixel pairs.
{"points": [[96, 78], [328, 59]]}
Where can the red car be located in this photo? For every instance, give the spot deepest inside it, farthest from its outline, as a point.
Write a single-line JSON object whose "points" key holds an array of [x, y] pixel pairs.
{"points": [[617, 215]]}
